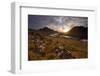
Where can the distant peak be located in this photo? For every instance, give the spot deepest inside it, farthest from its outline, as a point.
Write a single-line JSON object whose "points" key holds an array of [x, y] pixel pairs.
{"points": [[45, 28]]}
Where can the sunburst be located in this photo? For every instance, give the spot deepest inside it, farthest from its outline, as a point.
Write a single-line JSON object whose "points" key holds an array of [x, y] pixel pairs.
{"points": [[66, 29]]}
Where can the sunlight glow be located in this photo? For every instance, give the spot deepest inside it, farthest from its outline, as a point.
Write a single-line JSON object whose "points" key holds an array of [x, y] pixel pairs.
{"points": [[65, 29], [62, 29]]}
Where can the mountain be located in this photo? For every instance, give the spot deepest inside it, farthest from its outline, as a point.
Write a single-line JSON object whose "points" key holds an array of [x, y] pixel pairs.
{"points": [[47, 31], [43, 31], [79, 32]]}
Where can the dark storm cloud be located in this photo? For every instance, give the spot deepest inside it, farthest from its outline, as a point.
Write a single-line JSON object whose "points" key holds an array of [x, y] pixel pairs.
{"points": [[37, 21], [40, 21]]}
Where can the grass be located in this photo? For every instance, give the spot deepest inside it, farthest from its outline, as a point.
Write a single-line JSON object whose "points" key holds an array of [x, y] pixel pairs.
{"points": [[77, 48]]}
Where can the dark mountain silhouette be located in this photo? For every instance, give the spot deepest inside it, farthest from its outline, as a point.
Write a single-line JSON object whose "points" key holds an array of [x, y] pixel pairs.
{"points": [[43, 31], [79, 32], [46, 29]]}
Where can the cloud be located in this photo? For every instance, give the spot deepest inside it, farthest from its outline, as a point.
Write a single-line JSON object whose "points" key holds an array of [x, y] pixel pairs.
{"points": [[55, 22]]}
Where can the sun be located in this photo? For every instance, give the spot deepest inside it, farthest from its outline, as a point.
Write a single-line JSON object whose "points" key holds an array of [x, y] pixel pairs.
{"points": [[66, 29]]}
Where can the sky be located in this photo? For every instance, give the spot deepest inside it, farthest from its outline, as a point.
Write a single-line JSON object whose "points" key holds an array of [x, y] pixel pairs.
{"points": [[57, 23]]}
